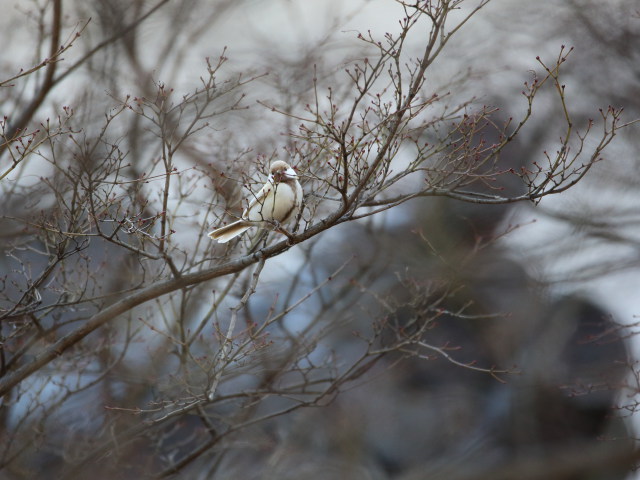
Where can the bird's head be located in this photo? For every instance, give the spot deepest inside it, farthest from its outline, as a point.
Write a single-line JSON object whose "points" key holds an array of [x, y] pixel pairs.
{"points": [[281, 171]]}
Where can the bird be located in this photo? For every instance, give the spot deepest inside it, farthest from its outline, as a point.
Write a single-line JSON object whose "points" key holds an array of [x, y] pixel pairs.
{"points": [[278, 202]]}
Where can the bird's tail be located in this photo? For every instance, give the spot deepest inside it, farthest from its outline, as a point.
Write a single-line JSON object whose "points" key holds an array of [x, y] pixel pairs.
{"points": [[226, 233]]}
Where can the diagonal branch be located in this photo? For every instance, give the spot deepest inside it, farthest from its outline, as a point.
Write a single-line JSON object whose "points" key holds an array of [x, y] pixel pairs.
{"points": [[151, 292]]}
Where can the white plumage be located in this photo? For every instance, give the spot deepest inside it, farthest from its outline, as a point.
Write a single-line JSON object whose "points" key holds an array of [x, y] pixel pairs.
{"points": [[278, 202]]}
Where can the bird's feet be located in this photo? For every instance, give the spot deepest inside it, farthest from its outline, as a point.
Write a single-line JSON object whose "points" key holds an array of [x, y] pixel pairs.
{"points": [[280, 229]]}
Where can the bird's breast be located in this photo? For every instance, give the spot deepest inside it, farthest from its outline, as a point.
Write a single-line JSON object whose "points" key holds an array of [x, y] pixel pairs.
{"points": [[277, 204]]}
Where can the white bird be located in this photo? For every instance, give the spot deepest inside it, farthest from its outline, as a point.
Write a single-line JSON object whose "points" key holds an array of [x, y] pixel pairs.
{"points": [[278, 202]]}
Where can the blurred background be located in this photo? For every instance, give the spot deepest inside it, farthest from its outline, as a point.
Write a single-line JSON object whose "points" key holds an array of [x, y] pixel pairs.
{"points": [[527, 311]]}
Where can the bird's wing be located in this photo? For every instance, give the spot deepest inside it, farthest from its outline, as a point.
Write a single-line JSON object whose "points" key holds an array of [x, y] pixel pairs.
{"points": [[258, 199]]}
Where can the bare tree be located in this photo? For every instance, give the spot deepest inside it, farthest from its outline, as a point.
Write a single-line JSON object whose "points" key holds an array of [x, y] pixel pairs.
{"points": [[132, 342]]}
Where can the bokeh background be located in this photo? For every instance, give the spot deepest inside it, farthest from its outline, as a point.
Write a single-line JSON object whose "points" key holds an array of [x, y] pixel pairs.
{"points": [[546, 294]]}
